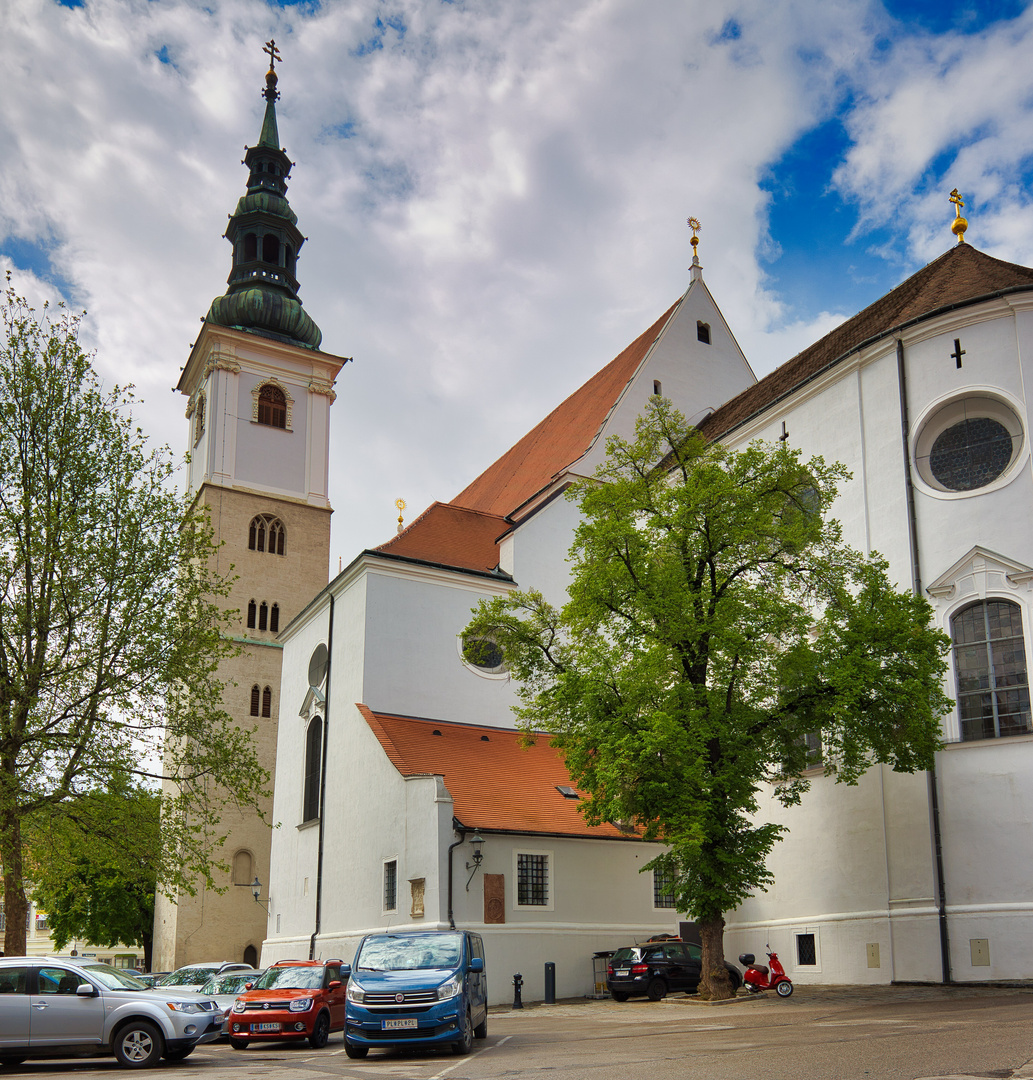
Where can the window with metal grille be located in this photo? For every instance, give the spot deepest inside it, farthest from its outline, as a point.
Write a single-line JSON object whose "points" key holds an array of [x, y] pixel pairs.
{"points": [[806, 955], [390, 885], [663, 888], [990, 667], [532, 880]]}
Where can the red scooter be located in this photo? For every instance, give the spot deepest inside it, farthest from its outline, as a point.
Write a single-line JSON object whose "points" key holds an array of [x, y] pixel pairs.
{"points": [[758, 977]]}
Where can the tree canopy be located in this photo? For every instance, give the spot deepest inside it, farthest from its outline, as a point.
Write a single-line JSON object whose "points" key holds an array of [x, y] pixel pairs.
{"points": [[93, 863], [717, 631], [111, 615]]}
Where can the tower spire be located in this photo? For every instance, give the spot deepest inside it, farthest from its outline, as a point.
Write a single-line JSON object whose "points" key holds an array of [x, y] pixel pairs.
{"points": [[262, 297]]}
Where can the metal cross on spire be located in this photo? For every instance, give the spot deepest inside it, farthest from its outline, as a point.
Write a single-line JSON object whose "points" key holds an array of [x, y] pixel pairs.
{"points": [[959, 225], [274, 53]]}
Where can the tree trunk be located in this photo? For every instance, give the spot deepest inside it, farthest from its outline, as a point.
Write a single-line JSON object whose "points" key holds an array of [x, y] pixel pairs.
{"points": [[715, 983], [16, 907]]}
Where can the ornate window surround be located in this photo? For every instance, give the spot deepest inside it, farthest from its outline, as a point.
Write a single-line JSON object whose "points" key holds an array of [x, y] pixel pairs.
{"points": [[256, 390]]}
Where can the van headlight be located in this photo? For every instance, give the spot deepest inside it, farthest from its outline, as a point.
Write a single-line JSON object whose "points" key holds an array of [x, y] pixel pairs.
{"points": [[355, 994], [449, 989]]}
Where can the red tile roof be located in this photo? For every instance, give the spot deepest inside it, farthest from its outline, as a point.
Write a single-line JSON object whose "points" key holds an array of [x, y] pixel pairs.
{"points": [[450, 536], [561, 438], [960, 276], [495, 783]]}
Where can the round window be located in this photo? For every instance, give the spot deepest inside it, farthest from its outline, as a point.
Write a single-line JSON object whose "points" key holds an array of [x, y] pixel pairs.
{"points": [[968, 444], [483, 654]]}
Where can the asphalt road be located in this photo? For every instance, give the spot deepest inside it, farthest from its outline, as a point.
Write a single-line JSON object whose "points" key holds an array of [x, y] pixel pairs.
{"points": [[838, 1033]]}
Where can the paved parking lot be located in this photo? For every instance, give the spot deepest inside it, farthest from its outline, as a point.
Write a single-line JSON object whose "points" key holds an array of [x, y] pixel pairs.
{"points": [[890, 1033]]}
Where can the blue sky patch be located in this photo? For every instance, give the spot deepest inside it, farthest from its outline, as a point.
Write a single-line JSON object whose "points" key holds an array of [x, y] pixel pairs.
{"points": [[33, 256], [944, 16], [71, 3], [380, 28]]}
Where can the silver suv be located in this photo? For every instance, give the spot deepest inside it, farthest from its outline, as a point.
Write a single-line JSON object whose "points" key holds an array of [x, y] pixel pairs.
{"points": [[56, 1007]]}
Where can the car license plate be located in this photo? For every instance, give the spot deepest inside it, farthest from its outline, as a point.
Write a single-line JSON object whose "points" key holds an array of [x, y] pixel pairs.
{"points": [[622, 972], [265, 1027], [396, 1025]]}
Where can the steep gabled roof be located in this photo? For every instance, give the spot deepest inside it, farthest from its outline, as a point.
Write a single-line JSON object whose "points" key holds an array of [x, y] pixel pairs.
{"points": [[963, 275], [450, 536], [495, 783], [561, 438]]}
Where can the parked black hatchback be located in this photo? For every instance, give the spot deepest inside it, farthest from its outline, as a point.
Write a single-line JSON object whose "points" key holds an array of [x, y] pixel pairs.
{"points": [[656, 968]]}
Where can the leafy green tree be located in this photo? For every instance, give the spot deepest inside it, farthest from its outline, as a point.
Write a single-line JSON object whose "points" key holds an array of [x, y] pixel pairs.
{"points": [[715, 621], [93, 863], [111, 616]]}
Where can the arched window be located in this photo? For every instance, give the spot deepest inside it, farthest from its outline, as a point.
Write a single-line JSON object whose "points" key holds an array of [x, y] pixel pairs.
{"points": [[267, 701], [274, 618], [263, 616], [250, 247], [252, 609], [990, 666], [242, 868], [310, 809], [272, 407], [703, 332], [199, 419], [267, 533], [251, 956], [270, 248], [254, 700]]}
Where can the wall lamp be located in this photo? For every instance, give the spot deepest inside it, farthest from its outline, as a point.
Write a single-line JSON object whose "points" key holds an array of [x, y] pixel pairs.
{"points": [[478, 857], [256, 892]]}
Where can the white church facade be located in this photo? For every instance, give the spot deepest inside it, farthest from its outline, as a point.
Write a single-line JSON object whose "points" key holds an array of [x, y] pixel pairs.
{"points": [[404, 797]]}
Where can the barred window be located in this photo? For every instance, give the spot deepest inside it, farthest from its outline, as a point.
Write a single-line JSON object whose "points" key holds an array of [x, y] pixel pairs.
{"points": [[806, 953], [663, 888], [532, 880], [391, 885]]}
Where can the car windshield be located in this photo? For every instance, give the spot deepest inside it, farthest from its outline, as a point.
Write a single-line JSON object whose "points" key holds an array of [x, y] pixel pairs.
{"points": [[229, 984], [626, 956], [291, 978], [409, 952], [190, 976], [112, 978]]}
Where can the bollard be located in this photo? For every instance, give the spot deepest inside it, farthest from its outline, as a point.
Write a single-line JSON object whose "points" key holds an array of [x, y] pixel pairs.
{"points": [[550, 984], [518, 982]]}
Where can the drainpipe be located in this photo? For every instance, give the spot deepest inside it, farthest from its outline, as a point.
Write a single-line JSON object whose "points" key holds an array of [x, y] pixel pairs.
{"points": [[451, 847], [322, 785], [916, 585]]}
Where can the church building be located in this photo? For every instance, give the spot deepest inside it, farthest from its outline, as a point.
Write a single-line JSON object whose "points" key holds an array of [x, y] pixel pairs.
{"points": [[404, 796]]}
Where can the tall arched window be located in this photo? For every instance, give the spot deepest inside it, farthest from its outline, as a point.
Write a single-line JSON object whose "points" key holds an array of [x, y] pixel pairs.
{"points": [[272, 407], [274, 618], [242, 868], [267, 701], [990, 664], [252, 609], [263, 616], [254, 699], [310, 809], [277, 537]]}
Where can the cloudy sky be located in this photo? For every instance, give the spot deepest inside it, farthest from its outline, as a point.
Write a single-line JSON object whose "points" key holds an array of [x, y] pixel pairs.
{"points": [[495, 191]]}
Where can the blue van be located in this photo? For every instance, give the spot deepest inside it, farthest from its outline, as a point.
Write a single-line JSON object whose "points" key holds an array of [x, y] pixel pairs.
{"points": [[419, 988]]}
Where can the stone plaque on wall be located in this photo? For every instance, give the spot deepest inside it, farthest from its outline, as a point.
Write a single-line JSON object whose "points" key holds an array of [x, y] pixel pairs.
{"points": [[416, 889], [494, 898]]}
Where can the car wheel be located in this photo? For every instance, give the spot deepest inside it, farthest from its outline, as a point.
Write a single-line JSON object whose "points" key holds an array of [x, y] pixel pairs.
{"points": [[239, 1044], [320, 1032], [178, 1055], [735, 977], [481, 1030], [784, 989], [139, 1045], [354, 1051], [656, 989], [465, 1043], [619, 995]]}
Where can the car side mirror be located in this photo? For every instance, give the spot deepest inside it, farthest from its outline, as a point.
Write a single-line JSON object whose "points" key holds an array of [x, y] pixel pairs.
{"points": [[476, 964], [334, 984], [85, 990], [249, 986], [346, 971]]}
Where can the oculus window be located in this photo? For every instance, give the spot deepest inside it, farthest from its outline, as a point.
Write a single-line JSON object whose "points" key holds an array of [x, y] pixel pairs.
{"points": [[990, 667], [968, 444], [484, 655]]}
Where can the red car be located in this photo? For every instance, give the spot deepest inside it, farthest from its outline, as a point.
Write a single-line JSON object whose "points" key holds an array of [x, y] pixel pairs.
{"points": [[294, 999]]}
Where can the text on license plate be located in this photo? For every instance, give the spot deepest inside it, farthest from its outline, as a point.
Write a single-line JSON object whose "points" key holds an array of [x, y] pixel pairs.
{"points": [[395, 1025], [265, 1027], [623, 971]]}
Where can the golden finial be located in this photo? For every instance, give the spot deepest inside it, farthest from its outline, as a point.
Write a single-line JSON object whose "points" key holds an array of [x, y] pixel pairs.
{"points": [[400, 504], [695, 226], [959, 225]]}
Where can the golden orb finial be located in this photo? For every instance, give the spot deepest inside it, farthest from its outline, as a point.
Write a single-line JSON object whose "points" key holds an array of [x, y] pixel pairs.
{"points": [[959, 224], [400, 505], [695, 226]]}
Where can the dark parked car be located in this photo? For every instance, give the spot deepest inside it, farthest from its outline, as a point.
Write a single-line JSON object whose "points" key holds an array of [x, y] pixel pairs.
{"points": [[656, 968]]}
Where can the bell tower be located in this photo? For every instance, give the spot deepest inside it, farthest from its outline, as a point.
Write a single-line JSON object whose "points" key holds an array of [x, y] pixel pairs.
{"points": [[259, 391]]}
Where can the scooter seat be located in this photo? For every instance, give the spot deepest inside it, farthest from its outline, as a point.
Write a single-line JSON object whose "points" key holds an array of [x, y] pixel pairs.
{"points": [[762, 968]]}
